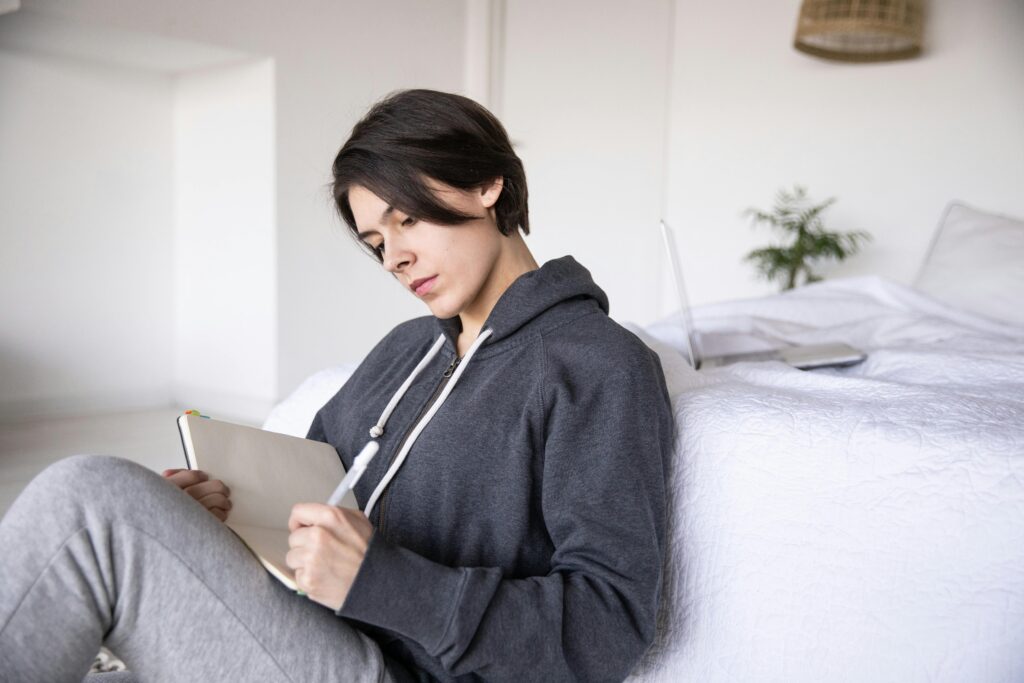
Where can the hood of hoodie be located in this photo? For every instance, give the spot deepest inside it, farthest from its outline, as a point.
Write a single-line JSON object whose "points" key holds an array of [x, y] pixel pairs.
{"points": [[530, 296]]}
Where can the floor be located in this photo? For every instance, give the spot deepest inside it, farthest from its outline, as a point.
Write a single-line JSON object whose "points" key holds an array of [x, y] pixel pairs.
{"points": [[148, 437]]}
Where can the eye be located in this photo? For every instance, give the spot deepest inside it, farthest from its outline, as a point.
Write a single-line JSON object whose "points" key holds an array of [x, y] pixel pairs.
{"points": [[378, 250]]}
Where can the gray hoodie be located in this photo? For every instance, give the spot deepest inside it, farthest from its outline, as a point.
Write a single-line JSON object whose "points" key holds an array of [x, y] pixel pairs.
{"points": [[522, 534]]}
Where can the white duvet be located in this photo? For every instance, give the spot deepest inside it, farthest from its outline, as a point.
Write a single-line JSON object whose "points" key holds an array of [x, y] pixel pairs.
{"points": [[854, 524]]}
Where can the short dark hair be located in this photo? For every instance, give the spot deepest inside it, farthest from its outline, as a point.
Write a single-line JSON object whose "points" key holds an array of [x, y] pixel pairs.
{"points": [[411, 135]]}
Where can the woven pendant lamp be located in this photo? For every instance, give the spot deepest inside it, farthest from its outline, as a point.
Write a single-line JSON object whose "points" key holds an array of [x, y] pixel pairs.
{"points": [[860, 30]]}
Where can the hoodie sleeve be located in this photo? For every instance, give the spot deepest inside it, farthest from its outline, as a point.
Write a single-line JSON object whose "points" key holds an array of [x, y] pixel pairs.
{"points": [[608, 439]]}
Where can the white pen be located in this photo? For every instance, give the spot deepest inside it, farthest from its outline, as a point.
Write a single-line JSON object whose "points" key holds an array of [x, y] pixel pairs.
{"points": [[354, 472]]}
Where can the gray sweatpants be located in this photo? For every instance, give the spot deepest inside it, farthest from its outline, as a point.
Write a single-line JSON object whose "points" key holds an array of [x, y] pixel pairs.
{"points": [[99, 549]]}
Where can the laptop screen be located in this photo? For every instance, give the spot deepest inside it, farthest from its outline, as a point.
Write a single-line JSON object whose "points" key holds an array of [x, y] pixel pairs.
{"points": [[691, 342]]}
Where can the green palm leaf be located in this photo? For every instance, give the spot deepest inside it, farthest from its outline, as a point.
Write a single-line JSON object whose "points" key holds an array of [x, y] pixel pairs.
{"points": [[800, 223]]}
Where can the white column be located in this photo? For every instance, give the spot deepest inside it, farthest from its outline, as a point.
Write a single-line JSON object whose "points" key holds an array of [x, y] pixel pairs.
{"points": [[225, 241], [485, 53]]}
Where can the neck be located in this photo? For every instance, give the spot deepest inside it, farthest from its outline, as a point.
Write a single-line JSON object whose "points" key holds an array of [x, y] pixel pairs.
{"points": [[515, 260]]}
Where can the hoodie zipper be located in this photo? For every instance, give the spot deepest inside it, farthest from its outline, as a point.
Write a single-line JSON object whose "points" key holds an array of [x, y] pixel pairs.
{"points": [[445, 377]]}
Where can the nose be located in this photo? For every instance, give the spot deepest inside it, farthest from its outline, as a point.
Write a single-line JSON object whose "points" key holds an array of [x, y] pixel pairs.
{"points": [[397, 257]]}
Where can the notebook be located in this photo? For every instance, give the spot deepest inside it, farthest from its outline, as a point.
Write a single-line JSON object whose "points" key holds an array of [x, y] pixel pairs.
{"points": [[267, 474]]}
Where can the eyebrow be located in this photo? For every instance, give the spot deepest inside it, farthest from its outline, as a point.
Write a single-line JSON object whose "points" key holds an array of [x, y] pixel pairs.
{"points": [[383, 217]]}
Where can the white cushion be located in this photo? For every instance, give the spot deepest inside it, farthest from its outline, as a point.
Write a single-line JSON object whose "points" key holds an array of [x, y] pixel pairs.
{"points": [[976, 262], [295, 414]]}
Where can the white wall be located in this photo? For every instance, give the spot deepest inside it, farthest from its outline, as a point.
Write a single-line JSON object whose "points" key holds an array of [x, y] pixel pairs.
{"points": [[894, 142], [85, 278], [331, 61], [334, 60], [225, 239], [585, 99]]}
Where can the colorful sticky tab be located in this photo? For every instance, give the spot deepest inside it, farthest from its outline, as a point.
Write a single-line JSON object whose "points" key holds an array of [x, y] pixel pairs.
{"points": [[196, 413]]}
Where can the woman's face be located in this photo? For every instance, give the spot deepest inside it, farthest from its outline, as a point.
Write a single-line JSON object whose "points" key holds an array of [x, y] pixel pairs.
{"points": [[456, 260]]}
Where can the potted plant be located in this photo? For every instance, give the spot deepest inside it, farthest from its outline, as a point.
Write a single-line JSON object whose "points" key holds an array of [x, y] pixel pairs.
{"points": [[807, 240]]}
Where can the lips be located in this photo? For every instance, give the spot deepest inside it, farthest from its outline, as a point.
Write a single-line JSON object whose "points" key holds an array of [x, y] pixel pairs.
{"points": [[422, 285]]}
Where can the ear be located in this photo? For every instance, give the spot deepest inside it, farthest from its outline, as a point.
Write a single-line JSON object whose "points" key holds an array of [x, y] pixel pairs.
{"points": [[490, 191]]}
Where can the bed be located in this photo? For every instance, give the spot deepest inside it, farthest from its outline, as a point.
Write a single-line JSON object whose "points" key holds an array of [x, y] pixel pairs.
{"points": [[847, 524], [862, 523]]}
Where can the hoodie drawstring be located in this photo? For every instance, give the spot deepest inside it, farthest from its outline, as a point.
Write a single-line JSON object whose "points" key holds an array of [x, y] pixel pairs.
{"points": [[378, 428]]}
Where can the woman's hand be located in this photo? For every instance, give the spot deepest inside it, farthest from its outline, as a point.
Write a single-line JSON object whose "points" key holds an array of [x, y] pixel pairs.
{"points": [[328, 545], [212, 494]]}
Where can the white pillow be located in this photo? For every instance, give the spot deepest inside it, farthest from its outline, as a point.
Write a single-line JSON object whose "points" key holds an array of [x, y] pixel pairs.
{"points": [[976, 262], [295, 414]]}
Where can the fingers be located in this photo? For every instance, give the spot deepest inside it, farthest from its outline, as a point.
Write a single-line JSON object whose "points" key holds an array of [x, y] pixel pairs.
{"points": [[218, 504], [309, 545], [211, 494], [296, 559], [307, 514], [325, 565], [204, 488], [308, 536], [185, 478], [312, 523], [197, 483], [216, 500]]}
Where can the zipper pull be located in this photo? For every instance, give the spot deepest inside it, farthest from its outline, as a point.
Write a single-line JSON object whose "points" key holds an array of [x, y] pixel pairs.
{"points": [[451, 368]]}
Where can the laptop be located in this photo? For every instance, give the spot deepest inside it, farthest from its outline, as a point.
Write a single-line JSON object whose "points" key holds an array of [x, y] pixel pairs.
{"points": [[804, 357]]}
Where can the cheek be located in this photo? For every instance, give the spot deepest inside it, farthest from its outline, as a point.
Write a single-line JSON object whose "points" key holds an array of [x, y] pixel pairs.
{"points": [[465, 254], [470, 263]]}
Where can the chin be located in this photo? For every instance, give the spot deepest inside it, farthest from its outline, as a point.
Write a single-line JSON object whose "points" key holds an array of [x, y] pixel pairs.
{"points": [[439, 310]]}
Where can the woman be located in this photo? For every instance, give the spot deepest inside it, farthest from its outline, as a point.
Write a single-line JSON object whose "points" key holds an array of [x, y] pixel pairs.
{"points": [[513, 522]]}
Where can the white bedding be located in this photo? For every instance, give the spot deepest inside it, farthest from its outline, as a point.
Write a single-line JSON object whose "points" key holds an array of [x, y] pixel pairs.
{"points": [[854, 524]]}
